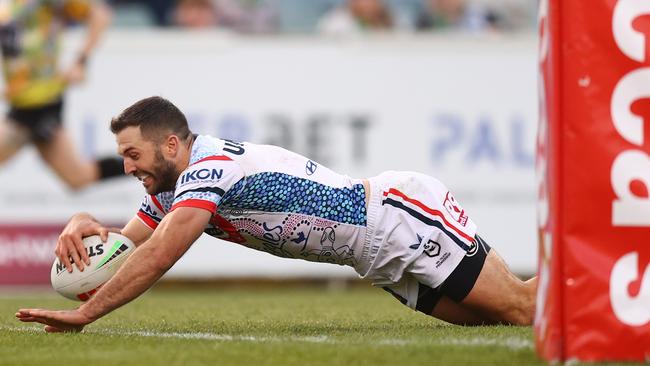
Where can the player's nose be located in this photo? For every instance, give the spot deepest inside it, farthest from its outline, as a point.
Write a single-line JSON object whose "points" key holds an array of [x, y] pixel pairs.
{"points": [[129, 167]]}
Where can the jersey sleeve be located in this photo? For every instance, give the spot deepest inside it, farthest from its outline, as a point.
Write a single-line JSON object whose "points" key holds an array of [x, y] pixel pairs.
{"points": [[151, 211], [204, 183]]}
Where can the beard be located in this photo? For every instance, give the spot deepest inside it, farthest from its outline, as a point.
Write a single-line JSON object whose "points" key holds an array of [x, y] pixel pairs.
{"points": [[164, 175]]}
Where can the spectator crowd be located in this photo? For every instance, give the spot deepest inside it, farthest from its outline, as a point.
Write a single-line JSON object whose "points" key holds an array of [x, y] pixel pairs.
{"points": [[331, 17]]}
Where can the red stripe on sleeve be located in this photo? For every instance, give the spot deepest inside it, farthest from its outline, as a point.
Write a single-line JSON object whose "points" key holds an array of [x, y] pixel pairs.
{"points": [[214, 157], [206, 205], [428, 210], [147, 220]]}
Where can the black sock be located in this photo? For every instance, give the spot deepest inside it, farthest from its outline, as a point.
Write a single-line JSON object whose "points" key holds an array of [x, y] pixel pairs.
{"points": [[110, 167]]}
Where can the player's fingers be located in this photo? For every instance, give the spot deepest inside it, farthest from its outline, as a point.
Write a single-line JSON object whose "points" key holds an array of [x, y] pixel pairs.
{"points": [[79, 253], [22, 313], [28, 320], [77, 260], [25, 317], [103, 234], [84, 255], [39, 316], [62, 253], [64, 258], [81, 248], [29, 312], [66, 262], [28, 315]]}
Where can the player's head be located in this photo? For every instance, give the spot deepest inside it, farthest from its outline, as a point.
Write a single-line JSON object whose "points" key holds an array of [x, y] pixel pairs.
{"points": [[153, 137]]}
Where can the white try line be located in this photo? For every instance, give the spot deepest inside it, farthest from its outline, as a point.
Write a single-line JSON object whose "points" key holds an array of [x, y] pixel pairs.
{"points": [[512, 343]]}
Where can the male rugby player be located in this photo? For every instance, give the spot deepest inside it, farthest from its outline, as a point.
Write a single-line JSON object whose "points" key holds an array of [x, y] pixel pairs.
{"points": [[34, 86], [403, 231]]}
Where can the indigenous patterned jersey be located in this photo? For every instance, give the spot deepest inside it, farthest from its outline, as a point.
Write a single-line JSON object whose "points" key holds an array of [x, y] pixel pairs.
{"points": [[29, 38], [269, 199]]}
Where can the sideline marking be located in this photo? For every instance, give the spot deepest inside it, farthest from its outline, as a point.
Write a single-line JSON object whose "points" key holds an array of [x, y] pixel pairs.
{"points": [[512, 343]]}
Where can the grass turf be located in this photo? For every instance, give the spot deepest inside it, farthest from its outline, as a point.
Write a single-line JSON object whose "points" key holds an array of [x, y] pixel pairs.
{"points": [[269, 326]]}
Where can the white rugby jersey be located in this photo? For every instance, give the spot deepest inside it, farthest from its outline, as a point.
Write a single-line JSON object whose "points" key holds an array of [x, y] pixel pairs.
{"points": [[270, 199]]}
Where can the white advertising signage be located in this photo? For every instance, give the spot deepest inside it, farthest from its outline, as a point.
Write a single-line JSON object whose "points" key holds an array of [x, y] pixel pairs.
{"points": [[461, 109]]}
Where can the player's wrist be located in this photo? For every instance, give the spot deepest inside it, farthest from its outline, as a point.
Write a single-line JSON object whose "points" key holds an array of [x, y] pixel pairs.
{"points": [[88, 312]]}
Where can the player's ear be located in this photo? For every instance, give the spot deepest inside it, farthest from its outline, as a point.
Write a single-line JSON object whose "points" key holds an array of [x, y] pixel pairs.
{"points": [[172, 145]]}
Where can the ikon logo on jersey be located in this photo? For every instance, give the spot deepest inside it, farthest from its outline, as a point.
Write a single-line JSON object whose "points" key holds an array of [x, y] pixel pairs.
{"points": [[455, 210], [202, 174]]}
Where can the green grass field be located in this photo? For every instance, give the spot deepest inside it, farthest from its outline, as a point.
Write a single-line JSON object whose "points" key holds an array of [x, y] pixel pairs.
{"points": [[268, 326]]}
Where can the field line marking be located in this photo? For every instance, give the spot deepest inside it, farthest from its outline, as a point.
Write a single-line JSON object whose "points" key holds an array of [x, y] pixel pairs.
{"points": [[512, 343]]}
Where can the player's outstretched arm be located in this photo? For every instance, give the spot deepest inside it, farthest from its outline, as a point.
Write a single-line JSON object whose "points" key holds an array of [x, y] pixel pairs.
{"points": [[175, 234]]}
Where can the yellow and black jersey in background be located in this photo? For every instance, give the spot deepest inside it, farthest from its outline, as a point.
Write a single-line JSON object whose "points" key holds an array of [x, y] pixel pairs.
{"points": [[29, 38]]}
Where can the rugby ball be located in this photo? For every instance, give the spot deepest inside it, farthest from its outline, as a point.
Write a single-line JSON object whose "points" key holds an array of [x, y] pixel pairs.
{"points": [[105, 259]]}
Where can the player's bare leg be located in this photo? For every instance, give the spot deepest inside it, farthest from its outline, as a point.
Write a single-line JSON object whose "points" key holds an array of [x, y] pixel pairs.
{"points": [[59, 153], [498, 297], [12, 139], [452, 312]]}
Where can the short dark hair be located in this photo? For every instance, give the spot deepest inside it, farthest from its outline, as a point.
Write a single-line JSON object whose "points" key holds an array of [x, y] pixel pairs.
{"points": [[157, 118]]}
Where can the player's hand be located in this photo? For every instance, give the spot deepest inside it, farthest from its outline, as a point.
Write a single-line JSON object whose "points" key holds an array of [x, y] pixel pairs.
{"points": [[70, 243], [75, 74], [55, 321]]}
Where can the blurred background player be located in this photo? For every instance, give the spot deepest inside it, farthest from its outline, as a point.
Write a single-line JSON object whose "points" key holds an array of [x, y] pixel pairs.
{"points": [[35, 86]]}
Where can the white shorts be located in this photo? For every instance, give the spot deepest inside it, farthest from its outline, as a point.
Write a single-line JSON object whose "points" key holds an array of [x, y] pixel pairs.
{"points": [[417, 234]]}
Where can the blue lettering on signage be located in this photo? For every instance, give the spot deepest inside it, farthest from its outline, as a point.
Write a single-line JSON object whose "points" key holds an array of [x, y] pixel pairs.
{"points": [[234, 127], [196, 121], [202, 174], [480, 142], [450, 129], [483, 145], [520, 156]]}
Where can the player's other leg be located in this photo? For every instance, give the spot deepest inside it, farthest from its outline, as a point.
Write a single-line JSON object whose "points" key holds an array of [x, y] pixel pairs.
{"points": [[12, 139], [482, 290], [499, 296], [59, 153]]}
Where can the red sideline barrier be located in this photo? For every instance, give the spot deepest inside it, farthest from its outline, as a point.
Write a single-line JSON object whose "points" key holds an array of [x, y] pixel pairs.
{"points": [[27, 253], [593, 167]]}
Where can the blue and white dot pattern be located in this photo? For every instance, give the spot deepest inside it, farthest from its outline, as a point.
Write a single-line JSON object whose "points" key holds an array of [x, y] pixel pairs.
{"points": [[166, 199], [278, 192]]}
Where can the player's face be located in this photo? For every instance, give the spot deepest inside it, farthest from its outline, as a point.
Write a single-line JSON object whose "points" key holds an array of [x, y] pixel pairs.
{"points": [[144, 160]]}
